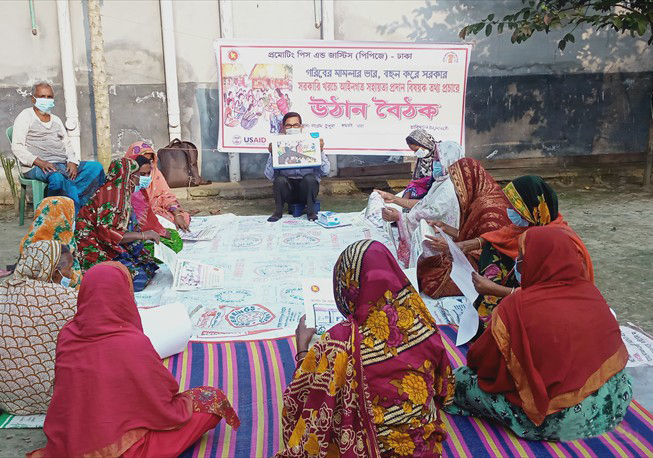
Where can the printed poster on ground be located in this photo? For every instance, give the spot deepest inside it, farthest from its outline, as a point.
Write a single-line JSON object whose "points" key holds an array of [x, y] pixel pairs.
{"points": [[362, 98]]}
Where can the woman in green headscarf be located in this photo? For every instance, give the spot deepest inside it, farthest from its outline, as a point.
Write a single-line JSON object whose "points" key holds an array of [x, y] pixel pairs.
{"points": [[532, 203]]}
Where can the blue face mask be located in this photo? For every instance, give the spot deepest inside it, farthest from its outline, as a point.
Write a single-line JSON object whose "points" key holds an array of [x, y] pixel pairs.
{"points": [[44, 105], [144, 182], [517, 272], [516, 218], [65, 281], [438, 170]]}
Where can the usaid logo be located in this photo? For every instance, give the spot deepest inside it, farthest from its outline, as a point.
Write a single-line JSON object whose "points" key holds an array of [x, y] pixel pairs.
{"points": [[237, 139], [255, 140]]}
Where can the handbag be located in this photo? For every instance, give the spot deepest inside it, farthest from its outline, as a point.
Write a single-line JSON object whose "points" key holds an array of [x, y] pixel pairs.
{"points": [[178, 163]]}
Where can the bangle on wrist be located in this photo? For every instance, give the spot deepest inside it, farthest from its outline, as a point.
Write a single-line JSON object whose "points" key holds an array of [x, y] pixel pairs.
{"points": [[297, 359], [142, 236], [513, 291], [480, 242]]}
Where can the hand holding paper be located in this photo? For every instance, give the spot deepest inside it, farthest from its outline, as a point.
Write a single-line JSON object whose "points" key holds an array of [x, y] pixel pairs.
{"points": [[321, 310], [461, 274]]}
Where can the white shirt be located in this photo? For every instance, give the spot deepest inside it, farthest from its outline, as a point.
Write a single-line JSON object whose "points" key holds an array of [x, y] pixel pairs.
{"points": [[33, 138]]}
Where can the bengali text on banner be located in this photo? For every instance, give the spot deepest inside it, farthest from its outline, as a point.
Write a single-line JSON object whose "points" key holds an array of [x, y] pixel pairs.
{"points": [[362, 98]]}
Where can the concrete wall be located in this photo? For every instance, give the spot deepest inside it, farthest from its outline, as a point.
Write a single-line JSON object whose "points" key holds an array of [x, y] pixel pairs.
{"points": [[524, 100]]}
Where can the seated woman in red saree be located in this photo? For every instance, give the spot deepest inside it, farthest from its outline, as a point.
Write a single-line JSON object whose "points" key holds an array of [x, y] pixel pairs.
{"points": [[532, 203], [482, 209], [112, 395], [372, 385], [107, 230], [551, 364]]}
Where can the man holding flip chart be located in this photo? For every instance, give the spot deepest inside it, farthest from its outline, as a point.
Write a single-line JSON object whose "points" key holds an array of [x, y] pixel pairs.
{"points": [[295, 185]]}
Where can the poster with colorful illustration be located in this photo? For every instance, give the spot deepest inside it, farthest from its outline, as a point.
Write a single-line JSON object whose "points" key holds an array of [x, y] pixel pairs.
{"points": [[362, 98], [295, 151]]}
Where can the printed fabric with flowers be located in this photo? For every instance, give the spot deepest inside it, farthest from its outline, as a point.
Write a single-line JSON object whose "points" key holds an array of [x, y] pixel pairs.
{"points": [[322, 408], [394, 321], [420, 431]]}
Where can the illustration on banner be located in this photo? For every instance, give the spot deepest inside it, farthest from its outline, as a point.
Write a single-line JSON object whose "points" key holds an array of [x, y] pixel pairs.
{"points": [[256, 94]]}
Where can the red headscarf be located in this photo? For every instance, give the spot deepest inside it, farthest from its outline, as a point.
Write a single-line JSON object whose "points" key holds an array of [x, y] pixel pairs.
{"points": [[373, 384], [110, 385], [555, 342]]}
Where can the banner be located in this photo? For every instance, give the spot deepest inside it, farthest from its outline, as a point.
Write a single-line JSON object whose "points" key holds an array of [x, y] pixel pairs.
{"points": [[362, 98]]}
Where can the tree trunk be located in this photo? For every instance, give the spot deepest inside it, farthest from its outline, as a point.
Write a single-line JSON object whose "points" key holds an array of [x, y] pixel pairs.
{"points": [[649, 156], [100, 88]]}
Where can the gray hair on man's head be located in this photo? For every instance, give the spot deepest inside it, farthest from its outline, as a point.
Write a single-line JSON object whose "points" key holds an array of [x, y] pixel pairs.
{"points": [[40, 83]]}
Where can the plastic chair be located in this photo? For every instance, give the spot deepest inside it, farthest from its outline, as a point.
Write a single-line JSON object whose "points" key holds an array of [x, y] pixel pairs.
{"points": [[38, 187]]}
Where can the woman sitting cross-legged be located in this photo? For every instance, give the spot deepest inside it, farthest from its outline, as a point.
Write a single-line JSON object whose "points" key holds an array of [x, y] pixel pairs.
{"points": [[34, 306], [372, 385], [440, 203], [551, 364], [107, 229], [532, 203], [481, 207], [113, 397]]}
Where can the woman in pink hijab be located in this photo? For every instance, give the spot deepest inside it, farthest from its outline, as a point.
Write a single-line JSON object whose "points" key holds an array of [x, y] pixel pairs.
{"points": [[158, 195]]}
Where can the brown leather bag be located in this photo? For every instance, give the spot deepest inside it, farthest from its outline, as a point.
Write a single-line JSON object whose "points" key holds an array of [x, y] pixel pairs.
{"points": [[178, 163]]}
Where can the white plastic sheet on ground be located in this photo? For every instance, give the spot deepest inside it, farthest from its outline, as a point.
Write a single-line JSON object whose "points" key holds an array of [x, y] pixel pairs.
{"points": [[264, 265], [639, 345]]}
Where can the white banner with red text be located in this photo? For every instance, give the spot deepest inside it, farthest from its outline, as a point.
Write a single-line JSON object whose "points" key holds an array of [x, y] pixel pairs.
{"points": [[362, 98]]}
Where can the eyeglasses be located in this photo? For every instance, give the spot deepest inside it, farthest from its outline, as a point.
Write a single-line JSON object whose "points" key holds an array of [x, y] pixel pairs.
{"points": [[292, 126]]}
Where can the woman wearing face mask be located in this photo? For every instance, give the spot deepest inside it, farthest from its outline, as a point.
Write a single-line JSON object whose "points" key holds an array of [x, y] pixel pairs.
{"points": [[146, 208], [551, 364], [156, 194], [427, 167], [54, 219], [481, 208], [34, 306], [107, 229], [533, 203], [439, 204]]}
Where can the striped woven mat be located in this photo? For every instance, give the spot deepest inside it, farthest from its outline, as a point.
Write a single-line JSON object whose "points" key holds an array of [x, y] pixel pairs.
{"points": [[254, 374]]}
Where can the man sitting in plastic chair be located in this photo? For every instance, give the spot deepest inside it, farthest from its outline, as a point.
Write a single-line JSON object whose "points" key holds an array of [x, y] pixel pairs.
{"points": [[45, 153]]}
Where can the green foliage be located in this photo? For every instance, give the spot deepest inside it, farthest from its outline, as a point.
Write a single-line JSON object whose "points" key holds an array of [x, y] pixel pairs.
{"points": [[624, 16], [8, 164]]}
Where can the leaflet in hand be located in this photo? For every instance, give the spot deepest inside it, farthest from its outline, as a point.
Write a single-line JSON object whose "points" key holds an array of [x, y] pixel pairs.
{"points": [[374, 209], [296, 151], [461, 274], [419, 246], [188, 275], [321, 310]]}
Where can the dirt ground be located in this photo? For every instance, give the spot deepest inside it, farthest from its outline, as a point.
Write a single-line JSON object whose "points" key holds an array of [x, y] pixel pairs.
{"points": [[615, 222]]}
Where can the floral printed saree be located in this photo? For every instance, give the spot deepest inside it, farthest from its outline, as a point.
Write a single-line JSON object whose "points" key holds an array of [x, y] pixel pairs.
{"points": [[373, 385]]}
